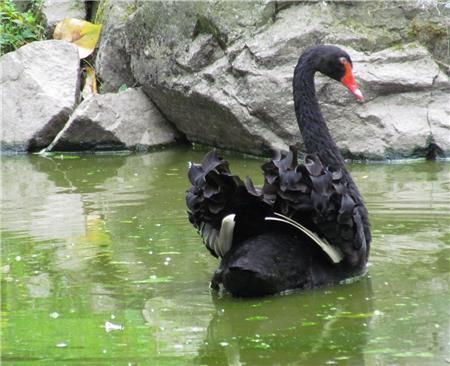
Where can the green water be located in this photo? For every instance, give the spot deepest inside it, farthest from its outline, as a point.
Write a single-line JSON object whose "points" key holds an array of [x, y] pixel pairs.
{"points": [[100, 266]]}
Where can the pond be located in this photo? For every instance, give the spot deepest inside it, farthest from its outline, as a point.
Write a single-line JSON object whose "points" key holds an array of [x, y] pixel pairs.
{"points": [[101, 266]]}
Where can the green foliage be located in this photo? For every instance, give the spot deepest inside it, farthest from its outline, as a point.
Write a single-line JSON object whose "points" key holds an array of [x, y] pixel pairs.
{"points": [[123, 87], [18, 28]]}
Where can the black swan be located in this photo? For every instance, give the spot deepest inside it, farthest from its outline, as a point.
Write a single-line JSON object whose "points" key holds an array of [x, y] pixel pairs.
{"points": [[308, 225]]}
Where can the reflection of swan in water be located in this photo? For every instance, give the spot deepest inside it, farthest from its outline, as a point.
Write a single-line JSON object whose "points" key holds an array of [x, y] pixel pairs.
{"points": [[310, 328]]}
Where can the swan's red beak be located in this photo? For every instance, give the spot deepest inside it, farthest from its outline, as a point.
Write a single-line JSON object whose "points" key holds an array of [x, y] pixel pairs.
{"points": [[349, 81]]}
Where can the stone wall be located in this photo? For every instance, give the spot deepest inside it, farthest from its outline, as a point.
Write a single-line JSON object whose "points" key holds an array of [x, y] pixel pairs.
{"points": [[222, 71]]}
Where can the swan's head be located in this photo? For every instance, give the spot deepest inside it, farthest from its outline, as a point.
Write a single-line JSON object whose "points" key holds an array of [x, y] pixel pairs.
{"points": [[337, 64]]}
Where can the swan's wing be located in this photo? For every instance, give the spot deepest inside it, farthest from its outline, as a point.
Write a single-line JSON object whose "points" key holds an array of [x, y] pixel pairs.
{"points": [[214, 196], [318, 198]]}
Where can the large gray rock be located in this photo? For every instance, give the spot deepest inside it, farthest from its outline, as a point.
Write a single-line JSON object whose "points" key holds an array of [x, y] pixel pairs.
{"points": [[191, 81], [40, 86], [112, 63], [127, 120], [222, 73], [54, 11]]}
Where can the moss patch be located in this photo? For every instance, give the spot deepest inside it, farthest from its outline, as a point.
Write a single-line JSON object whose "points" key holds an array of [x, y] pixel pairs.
{"points": [[427, 32]]}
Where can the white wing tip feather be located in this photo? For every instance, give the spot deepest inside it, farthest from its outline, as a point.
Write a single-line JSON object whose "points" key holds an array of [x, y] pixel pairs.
{"points": [[334, 253], [226, 232]]}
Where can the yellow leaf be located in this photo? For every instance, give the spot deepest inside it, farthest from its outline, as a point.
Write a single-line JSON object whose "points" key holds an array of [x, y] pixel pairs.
{"points": [[90, 82], [83, 34]]}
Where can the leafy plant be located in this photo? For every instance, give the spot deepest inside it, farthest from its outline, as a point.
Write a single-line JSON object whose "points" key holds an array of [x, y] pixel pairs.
{"points": [[17, 28]]}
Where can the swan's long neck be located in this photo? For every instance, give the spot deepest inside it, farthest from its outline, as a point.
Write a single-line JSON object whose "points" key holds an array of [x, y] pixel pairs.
{"points": [[316, 136]]}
